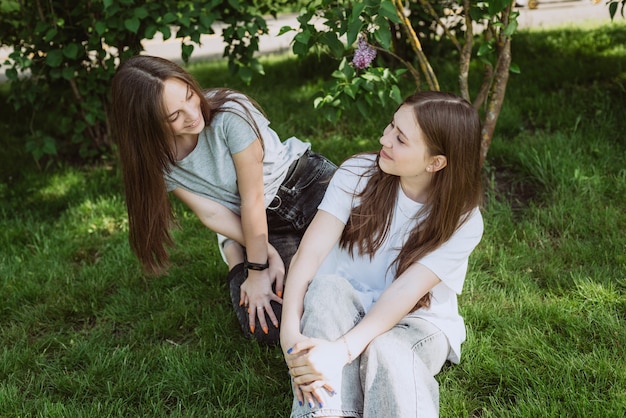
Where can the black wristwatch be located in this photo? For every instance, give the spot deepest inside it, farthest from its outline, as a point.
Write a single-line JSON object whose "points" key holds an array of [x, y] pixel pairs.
{"points": [[255, 266]]}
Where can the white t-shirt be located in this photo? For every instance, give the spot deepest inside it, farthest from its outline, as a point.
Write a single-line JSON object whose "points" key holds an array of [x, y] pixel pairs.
{"points": [[370, 277]]}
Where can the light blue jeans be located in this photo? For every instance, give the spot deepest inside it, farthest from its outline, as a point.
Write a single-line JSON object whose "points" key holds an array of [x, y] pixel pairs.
{"points": [[393, 377]]}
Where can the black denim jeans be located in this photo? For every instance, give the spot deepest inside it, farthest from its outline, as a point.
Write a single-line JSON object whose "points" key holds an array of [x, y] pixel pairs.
{"points": [[288, 216]]}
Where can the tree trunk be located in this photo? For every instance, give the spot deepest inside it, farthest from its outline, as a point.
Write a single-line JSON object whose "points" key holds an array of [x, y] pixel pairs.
{"points": [[496, 95]]}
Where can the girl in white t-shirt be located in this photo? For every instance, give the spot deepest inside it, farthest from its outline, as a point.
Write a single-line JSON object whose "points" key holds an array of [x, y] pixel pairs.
{"points": [[370, 309]]}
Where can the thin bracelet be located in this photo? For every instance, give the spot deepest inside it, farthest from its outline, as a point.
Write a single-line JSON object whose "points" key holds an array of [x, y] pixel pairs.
{"points": [[343, 338]]}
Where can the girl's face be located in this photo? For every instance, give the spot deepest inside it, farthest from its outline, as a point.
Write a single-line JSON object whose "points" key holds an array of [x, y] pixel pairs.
{"points": [[182, 107], [404, 152]]}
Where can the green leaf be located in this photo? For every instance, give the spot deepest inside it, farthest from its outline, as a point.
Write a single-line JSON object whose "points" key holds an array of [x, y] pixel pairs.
{"points": [[184, 21], [101, 28], [496, 6], [55, 73], [9, 6], [383, 34], [514, 68], [132, 24], [41, 27], [150, 31], [339, 75], [485, 49], [54, 58], [382, 98], [284, 30], [511, 28], [245, 74], [476, 14], [395, 94], [49, 145], [256, 66], [300, 49], [347, 70], [11, 74], [334, 44], [361, 105], [357, 10], [169, 18], [301, 43], [370, 77], [388, 11], [485, 61], [351, 90], [195, 37], [303, 37], [50, 34], [613, 9], [79, 125], [112, 11], [354, 28], [71, 50], [333, 116], [90, 118], [141, 12], [167, 33], [186, 50], [67, 73], [206, 21]]}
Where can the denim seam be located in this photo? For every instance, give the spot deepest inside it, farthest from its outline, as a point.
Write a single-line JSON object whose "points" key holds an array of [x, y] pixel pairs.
{"points": [[320, 170], [324, 412], [426, 339]]}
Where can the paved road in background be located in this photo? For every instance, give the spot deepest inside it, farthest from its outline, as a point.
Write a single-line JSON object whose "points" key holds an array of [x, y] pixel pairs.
{"points": [[548, 13], [559, 12]]}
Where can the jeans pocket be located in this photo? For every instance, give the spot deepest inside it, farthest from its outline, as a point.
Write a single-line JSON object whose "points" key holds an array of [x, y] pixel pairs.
{"points": [[296, 205]]}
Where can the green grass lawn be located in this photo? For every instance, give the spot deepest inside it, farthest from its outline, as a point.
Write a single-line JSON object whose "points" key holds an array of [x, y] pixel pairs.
{"points": [[83, 333]]}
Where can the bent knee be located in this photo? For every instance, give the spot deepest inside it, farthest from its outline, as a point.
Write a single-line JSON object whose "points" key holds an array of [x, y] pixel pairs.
{"points": [[328, 287], [331, 299]]}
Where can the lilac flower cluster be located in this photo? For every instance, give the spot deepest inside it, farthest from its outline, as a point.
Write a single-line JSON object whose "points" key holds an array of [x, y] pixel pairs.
{"points": [[364, 54]]}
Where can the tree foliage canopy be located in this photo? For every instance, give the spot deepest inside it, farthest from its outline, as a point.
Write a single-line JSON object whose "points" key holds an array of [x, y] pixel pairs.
{"points": [[65, 53]]}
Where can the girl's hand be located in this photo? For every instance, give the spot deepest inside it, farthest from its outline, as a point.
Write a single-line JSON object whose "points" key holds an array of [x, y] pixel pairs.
{"points": [[314, 359], [256, 294], [276, 269], [314, 364], [289, 340]]}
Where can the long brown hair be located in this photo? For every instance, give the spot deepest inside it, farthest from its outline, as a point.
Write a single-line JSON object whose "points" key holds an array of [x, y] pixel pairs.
{"points": [[451, 127], [145, 147]]}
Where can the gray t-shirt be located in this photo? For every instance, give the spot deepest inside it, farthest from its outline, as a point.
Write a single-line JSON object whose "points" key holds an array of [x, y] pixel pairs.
{"points": [[209, 169]]}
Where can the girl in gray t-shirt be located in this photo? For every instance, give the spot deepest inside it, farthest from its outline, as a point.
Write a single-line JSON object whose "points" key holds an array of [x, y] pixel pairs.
{"points": [[215, 151]]}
